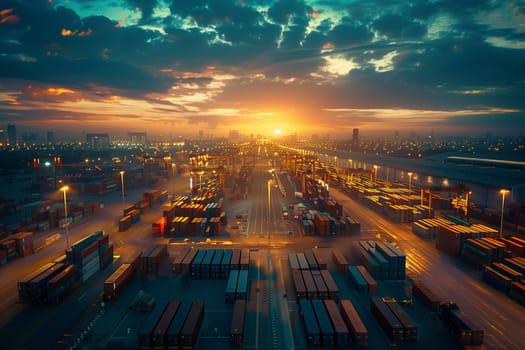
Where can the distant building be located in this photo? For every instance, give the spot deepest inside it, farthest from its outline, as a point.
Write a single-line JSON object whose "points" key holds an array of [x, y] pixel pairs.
{"points": [[138, 138], [315, 137], [2, 137], [11, 134], [235, 136], [30, 137], [355, 139], [201, 135], [50, 137], [97, 141]]}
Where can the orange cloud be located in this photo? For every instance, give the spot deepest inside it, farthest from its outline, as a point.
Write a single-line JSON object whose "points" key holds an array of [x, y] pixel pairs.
{"points": [[328, 46], [120, 23], [6, 16], [68, 32], [59, 91]]}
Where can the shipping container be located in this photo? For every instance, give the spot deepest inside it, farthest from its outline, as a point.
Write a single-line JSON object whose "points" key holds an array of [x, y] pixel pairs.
{"points": [[325, 326], [148, 326], [370, 281], [310, 258], [188, 261], [231, 286], [225, 263], [387, 320], [293, 262], [241, 291], [115, 284], [358, 330], [333, 290], [340, 261], [311, 328], [206, 264], [176, 265], [196, 264], [311, 290], [466, 331], [190, 331], [303, 263], [159, 333], [357, 280], [171, 339], [321, 261], [244, 262], [426, 295], [24, 291], [298, 283], [237, 325], [409, 327], [322, 290], [235, 260], [341, 333]]}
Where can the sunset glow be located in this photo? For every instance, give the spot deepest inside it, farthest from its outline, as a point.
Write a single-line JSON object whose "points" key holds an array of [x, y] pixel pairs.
{"points": [[311, 65]]}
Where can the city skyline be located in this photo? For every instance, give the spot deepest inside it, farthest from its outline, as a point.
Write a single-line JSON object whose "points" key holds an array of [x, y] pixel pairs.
{"points": [[305, 67]]}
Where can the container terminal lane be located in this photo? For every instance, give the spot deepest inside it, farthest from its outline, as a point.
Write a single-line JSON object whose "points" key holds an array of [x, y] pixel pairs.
{"points": [[170, 302]]}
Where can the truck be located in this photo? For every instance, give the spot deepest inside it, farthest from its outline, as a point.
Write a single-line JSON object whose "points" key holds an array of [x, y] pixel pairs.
{"points": [[237, 325]]}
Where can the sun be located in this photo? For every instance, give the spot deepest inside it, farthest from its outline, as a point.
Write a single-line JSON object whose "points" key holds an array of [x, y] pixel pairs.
{"points": [[277, 131]]}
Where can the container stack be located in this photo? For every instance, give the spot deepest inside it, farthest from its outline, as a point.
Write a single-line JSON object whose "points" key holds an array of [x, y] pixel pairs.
{"points": [[382, 260], [237, 286], [362, 280], [149, 262], [507, 276], [115, 284], [466, 331], [173, 325], [311, 279], [33, 288]]}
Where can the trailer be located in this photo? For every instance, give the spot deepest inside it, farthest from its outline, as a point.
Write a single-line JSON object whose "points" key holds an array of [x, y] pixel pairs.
{"points": [[237, 325], [311, 328], [190, 331], [188, 261], [325, 326], [341, 333], [357, 328]]}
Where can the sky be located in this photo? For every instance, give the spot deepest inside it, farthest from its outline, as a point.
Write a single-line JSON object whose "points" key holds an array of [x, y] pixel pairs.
{"points": [[177, 67]]}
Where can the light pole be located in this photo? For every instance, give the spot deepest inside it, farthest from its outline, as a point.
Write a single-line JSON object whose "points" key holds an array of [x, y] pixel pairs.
{"points": [[375, 173], [64, 189], [173, 181], [122, 186], [410, 182], [269, 207], [503, 193]]}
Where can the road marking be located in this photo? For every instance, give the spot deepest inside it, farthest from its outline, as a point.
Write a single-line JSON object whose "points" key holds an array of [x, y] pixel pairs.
{"points": [[82, 296]]}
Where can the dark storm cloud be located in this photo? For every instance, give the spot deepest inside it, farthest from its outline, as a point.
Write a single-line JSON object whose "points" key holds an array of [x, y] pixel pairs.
{"points": [[397, 27]]}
